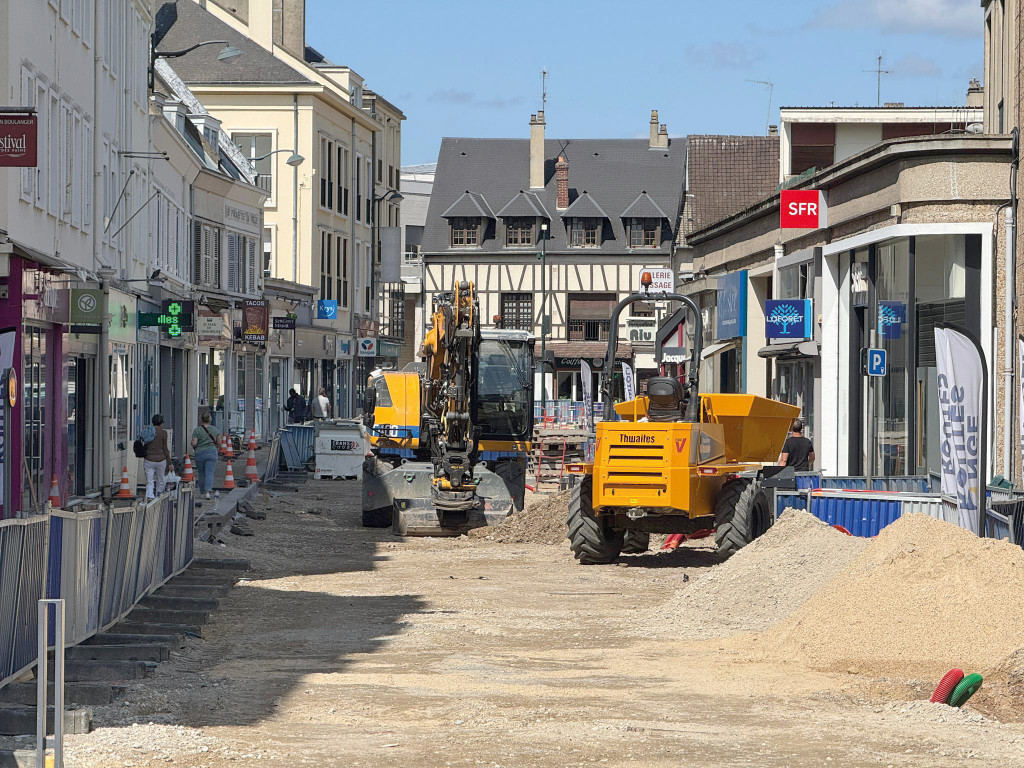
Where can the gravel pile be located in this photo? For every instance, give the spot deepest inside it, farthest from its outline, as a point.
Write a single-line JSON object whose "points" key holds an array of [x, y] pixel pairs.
{"points": [[541, 522], [923, 596], [761, 584]]}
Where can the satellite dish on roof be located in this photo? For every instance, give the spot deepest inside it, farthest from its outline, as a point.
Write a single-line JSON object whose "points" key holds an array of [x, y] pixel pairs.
{"points": [[975, 128]]}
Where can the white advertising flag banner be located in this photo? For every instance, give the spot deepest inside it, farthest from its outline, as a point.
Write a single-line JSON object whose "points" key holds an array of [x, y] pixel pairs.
{"points": [[962, 381], [586, 382], [628, 382]]}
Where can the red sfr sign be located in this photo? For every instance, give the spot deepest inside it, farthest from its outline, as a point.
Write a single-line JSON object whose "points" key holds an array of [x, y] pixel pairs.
{"points": [[17, 141], [803, 209]]}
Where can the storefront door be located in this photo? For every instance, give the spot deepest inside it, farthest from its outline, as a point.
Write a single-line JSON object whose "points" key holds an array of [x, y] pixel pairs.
{"points": [[276, 404], [80, 448], [794, 384]]}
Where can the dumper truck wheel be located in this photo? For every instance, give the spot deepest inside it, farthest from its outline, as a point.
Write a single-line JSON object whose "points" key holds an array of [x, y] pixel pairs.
{"points": [[742, 513], [591, 544], [636, 542]]}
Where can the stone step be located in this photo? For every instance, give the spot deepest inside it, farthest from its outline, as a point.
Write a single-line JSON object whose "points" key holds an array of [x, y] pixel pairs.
{"points": [[83, 694], [87, 670], [194, 590], [20, 720], [205, 578], [159, 602], [152, 652], [217, 564], [156, 628], [174, 640], [161, 616]]}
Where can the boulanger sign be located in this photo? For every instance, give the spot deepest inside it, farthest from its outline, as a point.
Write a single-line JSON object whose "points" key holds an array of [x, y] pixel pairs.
{"points": [[17, 141]]}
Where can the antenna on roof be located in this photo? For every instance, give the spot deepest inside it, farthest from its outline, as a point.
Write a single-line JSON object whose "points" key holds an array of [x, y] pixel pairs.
{"points": [[879, 71], [543, 90], [771, 92]]}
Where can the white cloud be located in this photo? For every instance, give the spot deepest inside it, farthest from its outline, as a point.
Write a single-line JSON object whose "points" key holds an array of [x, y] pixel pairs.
{"points": [[946, 17], [734, 55]]}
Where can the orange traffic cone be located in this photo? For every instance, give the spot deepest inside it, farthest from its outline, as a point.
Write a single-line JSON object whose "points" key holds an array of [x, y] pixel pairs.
{"points": [[252, 439], [229, 447], [223, 447], [186, 474], [229, 478], [54, 492], [252, 474], [124, 491]]}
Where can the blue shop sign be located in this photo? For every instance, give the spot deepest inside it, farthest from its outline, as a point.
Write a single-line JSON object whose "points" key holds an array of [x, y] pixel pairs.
{"points": [[787, 319], [732, 305], [326, 309], [891, 317]]}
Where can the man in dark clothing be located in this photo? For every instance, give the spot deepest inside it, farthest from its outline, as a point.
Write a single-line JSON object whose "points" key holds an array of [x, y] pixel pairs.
{"points": [[296, 407], [798, 452]]}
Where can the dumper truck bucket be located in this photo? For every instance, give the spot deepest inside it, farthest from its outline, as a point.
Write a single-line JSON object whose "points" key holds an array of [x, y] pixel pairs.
{"points": [[755, 427]]}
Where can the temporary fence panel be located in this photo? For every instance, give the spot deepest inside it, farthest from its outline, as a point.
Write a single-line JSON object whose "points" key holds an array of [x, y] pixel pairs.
{"points": [[23, 560], [785, 499], [77, 574], [862, 514], [274, 460], [902, 484], [1005, 520], [297, 445], [184, 522]]}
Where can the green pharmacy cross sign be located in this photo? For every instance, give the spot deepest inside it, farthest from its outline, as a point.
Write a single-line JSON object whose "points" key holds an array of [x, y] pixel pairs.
{"points": [[176, 317]]}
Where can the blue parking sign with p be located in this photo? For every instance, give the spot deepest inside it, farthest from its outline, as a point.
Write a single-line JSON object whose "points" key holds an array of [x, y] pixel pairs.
{"points": [[876, 362]]}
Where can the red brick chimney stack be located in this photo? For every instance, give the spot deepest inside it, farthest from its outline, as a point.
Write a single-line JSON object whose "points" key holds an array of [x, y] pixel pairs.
{"points": [[562, 181]]}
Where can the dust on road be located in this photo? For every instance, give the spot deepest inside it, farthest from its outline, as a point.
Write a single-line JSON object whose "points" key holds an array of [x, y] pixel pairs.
{"points": [[348, 647]]}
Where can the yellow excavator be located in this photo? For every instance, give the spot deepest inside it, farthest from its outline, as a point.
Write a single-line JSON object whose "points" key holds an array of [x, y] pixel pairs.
{"points": [[676, 461], [449, 435]]}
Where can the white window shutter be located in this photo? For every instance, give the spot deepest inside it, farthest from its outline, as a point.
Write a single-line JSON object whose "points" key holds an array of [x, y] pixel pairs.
{"points": [[252, 267], [232, 262], [88, 180], [216, 235], [28, 98]]}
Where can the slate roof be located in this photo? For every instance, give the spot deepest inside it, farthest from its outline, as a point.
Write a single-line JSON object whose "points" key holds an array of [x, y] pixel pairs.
{"points": [[613, 172], [469, 204], [584, 206], [524, 204], [727, 174], [201, 67], [643, 207]]}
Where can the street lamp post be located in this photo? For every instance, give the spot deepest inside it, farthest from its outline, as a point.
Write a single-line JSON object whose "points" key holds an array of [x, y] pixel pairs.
{"points": [[543, 313], [228, 52]]}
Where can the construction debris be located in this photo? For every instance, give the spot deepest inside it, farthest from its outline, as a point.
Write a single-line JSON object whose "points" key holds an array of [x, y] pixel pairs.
{"points": [[541, 522]]}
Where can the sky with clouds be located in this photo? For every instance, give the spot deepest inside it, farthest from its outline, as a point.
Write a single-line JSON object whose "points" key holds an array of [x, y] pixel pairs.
{"points": [[462, 68]]}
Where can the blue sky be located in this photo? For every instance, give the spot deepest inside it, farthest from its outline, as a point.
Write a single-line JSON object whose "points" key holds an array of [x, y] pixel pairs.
{"points": [[461, 68]]}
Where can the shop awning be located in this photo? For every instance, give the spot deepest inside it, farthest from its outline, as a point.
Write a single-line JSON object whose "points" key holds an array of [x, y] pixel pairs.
{"points": [[788, 349], [719, 347]]}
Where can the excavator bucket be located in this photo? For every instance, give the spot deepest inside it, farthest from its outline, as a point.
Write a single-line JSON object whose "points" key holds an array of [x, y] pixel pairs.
{"points": [[407, 490]]}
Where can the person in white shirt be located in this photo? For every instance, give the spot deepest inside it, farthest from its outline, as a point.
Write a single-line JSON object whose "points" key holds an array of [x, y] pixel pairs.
{"points": [[321, 406]]}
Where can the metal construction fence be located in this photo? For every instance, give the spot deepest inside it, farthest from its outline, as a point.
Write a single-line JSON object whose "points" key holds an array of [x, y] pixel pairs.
{"points": [[297, 445], [563, 413], [101, 562], [864, 506]]}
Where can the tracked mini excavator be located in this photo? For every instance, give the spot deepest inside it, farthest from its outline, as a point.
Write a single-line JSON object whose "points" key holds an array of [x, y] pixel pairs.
{"points": [[676, 461], [449, 436]]}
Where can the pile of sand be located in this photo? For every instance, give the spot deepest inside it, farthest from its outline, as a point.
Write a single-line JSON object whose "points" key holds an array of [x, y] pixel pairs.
{"points": [[922, 597], [541, 522], [761, 584]]}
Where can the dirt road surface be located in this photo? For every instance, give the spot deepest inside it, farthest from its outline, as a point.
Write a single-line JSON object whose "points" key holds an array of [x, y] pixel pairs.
{"points": [[347, 647]]}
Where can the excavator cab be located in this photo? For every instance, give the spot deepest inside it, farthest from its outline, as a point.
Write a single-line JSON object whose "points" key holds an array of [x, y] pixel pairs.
{"points": [[676, 461]]}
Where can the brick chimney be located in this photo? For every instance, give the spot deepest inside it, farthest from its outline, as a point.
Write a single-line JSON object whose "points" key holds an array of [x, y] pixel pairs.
{"points": [[562, 180], [654, 128], [290, 26], [975, 94], [537, 151], [663, 136]]}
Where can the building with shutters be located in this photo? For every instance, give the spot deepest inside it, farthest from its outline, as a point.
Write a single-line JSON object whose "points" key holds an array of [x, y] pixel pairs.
{"points": [[554, 232], [322, 217]]}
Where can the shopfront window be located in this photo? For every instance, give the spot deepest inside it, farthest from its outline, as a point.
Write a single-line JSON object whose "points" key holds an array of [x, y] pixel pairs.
{"points": [[215, 386], [120, 397], [149, 400], [34, 384]]}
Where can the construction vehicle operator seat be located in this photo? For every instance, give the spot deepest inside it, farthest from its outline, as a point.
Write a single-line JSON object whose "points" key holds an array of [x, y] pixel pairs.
{"points": [[666, 399]]}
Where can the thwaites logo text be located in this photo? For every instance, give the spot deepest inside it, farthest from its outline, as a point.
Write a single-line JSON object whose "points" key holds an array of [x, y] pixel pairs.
{"points": [[638, 438]]}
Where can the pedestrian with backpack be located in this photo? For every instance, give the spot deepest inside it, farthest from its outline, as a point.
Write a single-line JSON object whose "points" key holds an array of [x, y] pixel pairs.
{"points": [[157, 457], [205, 439]]}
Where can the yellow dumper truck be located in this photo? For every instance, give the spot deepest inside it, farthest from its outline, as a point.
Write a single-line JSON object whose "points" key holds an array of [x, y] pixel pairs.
{"points": [[676, 461]]}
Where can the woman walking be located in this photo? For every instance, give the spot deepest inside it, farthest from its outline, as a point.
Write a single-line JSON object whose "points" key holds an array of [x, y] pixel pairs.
{"points": [[157, 458], [204, 443]]}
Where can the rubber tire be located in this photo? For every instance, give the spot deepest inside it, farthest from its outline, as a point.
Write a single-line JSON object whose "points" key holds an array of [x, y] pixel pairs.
{"points": [[377, 518], [589, 542], [742, 513], [636, 542], [964, 690]]}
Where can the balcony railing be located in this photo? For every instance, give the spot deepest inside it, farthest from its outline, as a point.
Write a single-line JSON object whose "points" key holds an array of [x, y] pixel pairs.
{"points": [[589, 330]]}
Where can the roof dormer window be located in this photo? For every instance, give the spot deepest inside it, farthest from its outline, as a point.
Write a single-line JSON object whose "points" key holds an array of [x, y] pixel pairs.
{"points": [[643, 232], [585, 232], [519, 231], [465, 231]]}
